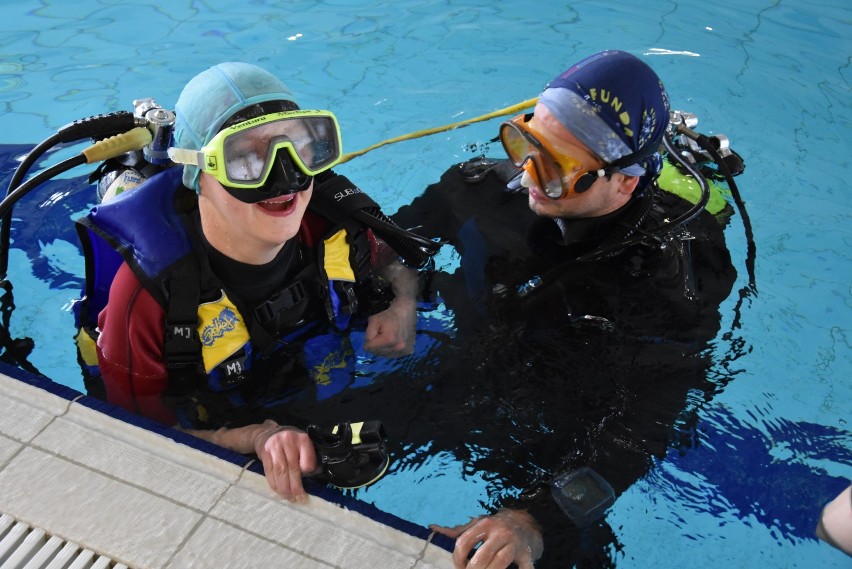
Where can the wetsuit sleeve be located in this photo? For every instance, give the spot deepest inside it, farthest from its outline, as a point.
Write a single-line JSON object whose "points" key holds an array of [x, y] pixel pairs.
{"points": [[432, 213], [130, 348], [451, 207]]}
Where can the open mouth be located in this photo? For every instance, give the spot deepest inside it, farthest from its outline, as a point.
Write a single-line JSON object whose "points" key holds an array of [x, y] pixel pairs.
{"points": [[279, 205]]}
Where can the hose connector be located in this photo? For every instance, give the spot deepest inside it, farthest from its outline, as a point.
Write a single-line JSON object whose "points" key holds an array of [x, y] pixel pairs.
{"points": [[161, 123]]}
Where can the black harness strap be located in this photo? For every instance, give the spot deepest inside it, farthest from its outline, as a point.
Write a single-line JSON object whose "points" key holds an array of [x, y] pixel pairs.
{"points": [[337, 199], [182, 344]]}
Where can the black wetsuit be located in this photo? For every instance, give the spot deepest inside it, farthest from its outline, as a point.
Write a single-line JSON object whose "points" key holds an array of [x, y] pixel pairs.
{"points": [[593, 368]]}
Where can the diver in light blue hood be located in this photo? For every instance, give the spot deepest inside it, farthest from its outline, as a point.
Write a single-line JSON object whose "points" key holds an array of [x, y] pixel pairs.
{"points": [[228, 274]]}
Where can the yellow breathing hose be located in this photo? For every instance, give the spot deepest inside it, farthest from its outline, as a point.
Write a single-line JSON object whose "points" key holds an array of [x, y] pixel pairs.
{"points": [[499, 113], [134, 139]]}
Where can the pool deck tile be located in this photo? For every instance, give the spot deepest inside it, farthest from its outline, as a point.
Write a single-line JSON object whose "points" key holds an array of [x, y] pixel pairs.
{"points": [[134, 456], [28, 409], [145, 500], [8, 448], [218, 544], [317, 528], [103, 514]]}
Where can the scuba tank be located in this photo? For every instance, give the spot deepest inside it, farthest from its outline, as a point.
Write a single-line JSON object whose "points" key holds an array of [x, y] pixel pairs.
{"points": [[128, 170]]}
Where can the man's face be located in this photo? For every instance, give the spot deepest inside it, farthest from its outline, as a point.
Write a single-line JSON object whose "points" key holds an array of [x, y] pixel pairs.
{"points": [[603, 197]]}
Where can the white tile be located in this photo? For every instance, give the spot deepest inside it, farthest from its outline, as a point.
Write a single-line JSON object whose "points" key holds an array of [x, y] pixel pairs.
{"points": [[26, 409], [134, 455], [216, 544], [150, 441], [319, 529], [133, 526], [8, 447], [34, 396]]}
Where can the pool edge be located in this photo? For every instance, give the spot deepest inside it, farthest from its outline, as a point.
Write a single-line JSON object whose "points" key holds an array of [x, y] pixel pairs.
{"points": [[92, 462]]}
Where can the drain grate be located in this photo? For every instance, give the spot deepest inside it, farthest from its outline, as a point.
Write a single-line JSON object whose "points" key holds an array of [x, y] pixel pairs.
{"points": [[25, 547]]}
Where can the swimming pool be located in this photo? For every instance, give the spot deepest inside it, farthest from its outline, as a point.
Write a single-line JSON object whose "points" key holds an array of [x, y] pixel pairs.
{"points": [[774, 77]]}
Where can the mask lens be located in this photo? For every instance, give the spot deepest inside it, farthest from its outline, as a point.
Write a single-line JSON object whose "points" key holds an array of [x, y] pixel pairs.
{"points": [[320, 149], [550, 177], [516, 145], [522, 145], [311, 142], [245, 158]]}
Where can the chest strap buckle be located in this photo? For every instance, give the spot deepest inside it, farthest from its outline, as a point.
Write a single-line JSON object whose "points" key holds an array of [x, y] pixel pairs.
{"points": [[281, 302]]}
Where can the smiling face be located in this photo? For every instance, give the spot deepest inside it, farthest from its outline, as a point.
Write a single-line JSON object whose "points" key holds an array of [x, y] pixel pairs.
{"points": [[606, 195], [251, 233]]}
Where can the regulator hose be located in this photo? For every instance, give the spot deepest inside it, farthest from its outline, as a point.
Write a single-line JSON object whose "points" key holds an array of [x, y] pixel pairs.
{"points": [[751, 250], [683, 219], [97, 126]]}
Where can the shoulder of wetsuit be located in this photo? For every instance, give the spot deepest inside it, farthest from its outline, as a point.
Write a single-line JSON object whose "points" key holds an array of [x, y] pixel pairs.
{"points": [[477, 180], [468, 194], [478, 169], [709, 255]]}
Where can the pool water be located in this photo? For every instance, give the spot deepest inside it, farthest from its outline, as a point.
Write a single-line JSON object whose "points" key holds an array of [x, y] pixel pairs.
{"points": [[774, 77]]}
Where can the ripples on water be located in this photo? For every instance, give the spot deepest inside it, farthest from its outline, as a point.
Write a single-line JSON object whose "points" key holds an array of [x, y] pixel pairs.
{"points": [[752, 466]]}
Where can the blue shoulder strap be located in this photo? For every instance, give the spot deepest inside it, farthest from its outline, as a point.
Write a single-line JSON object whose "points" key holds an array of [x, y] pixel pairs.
{"points": [[139, 226]]}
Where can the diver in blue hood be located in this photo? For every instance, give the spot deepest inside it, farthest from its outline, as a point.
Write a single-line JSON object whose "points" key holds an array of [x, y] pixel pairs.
{"points": [[583, 299]]}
